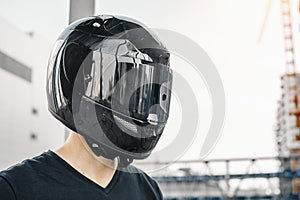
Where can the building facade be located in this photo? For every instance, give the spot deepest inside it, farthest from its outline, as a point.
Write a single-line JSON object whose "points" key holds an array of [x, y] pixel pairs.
{"points": [[26, 127]]}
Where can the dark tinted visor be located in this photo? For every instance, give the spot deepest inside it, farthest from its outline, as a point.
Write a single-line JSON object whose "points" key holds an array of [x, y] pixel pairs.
{"points": [[128, 86]]}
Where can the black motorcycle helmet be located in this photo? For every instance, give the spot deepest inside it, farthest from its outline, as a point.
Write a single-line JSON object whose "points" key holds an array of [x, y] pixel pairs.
{"points": [[109, 80]]}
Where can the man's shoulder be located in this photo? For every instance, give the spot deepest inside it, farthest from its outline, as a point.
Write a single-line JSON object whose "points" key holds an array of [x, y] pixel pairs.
{"points": [[27, 167], [25, 177]]}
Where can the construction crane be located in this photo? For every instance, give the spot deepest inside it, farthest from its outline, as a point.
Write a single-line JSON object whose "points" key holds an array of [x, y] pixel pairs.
{"points": [[287, 33], [291, 81], [289, 50], [290, 61]]}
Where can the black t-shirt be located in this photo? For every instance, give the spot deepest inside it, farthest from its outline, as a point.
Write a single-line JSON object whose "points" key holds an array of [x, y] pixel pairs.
{"points": [[48, 176]]}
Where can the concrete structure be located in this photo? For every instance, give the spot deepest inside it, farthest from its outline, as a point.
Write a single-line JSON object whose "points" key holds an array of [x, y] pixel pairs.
{"points": [[287, 128], [80, 9], [26, 126]]}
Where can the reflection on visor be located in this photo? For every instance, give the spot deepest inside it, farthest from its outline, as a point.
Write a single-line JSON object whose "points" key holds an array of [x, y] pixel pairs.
{"points": [[130, 87]]}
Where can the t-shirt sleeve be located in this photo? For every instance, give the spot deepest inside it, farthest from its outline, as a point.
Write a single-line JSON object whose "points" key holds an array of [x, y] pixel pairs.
{"points": [[6, 191]]}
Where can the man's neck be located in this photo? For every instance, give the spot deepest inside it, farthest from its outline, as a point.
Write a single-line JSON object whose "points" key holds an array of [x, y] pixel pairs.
{"points": [[98, 169]]}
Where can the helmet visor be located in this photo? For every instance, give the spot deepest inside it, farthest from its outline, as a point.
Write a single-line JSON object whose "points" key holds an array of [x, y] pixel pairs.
{"points": [[129, 86]]}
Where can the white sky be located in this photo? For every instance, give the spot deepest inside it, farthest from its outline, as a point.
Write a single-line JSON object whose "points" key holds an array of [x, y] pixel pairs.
{"points": [[228, 31]]}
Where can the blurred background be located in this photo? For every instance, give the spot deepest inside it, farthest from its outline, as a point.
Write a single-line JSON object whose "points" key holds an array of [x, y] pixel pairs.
{"points": [[255, 47]]}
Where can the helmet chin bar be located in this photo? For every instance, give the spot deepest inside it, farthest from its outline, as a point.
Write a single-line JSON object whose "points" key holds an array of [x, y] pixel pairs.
{"points": [[104, 136], [101, 150]]}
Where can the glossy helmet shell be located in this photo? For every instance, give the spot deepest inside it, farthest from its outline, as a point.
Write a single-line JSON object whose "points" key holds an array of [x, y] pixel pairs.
{"points": [[68, 68]]}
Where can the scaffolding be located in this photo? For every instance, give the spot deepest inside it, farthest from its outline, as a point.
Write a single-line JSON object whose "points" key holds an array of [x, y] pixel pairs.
{"points": [[246, 178]]}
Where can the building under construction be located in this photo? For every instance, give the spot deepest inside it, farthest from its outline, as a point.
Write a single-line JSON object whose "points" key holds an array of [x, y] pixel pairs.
{"points": [[287, 129]]}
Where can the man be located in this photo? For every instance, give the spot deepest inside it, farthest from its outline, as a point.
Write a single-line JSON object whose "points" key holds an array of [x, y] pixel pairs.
{"points": [[108, 81]]}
